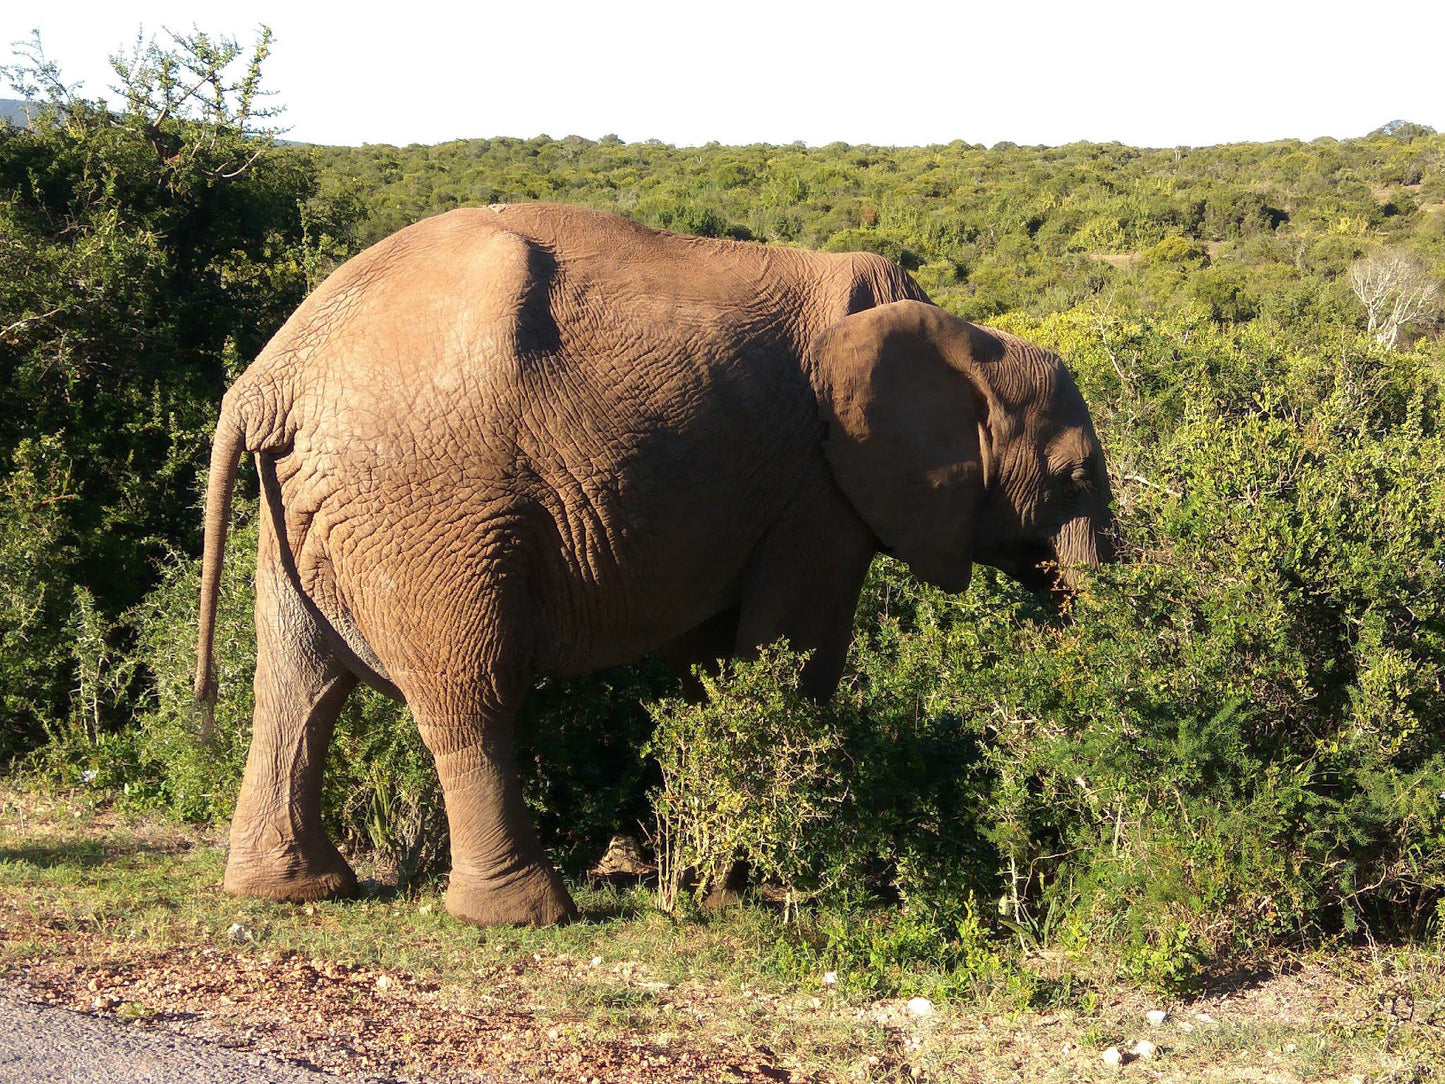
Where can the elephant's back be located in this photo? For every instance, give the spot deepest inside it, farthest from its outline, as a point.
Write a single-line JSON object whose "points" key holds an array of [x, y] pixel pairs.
{"points": [[516, 328]]}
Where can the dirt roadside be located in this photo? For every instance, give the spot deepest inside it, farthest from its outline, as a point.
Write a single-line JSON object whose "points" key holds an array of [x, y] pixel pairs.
{"points": [[352, 1021]]}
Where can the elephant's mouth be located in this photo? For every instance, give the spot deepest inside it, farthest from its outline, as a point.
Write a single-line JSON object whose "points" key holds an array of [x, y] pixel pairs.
{"points": [[1032, 564]]}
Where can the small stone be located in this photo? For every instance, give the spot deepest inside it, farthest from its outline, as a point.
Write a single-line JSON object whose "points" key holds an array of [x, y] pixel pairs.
{"points": [[597, 961], [1156, 1016], [237, 932], [920, 1006], [425, 909], [815, 1002], [1204, 1018], [623, 861], [830, 978], [1144, 1049], [1113, 1057], [382, 982]]}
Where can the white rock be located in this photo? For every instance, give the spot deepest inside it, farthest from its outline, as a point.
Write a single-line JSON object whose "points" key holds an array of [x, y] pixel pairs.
{"points": [[597, 961], [1204, 1018], [1156, 1016], [830, 978], [1113, 1057], [1144, 1049], [382, 982], [920, 1006], [237, 932]]}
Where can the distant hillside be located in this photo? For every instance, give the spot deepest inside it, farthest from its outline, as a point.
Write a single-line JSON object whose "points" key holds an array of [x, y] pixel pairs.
{"points": [[1236, 228], [13, 110]]}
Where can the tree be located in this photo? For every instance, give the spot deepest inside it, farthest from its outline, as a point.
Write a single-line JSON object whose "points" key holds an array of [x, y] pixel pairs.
{"points": [[1397, 291], [148, 250]]}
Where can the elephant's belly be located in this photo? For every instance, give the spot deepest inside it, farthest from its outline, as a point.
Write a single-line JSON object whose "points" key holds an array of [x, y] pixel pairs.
{"points": [[583, 647], [602, 610]]}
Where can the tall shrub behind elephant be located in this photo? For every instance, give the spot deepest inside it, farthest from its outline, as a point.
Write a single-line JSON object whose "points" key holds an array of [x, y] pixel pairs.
{"points": [[532, 439]]}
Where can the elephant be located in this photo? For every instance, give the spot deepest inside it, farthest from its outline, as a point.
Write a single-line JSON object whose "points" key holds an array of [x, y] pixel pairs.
{"points": [[531, 439]]}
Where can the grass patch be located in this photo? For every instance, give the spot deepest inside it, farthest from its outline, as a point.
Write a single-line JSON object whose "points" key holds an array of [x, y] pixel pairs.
{"points": [[116, 898]]}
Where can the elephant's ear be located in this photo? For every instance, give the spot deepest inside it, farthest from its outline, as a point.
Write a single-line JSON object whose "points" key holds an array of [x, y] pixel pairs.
{"points": [[904, 416]]}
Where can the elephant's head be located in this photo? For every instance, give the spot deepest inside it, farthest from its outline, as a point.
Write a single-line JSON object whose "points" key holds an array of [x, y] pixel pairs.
{"points": [[957, 443]]}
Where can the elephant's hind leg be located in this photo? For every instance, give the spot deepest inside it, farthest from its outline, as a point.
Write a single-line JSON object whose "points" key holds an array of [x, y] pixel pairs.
{"points": [[279, 848], [500, 873]]}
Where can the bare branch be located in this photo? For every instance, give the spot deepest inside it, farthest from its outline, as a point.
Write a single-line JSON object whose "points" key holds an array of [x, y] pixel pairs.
{"points": [[1397, 291], [26, 321]]}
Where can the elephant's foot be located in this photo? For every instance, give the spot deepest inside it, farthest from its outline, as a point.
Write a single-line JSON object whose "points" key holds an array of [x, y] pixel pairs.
{"points": [[293, 872], [535, 897]]}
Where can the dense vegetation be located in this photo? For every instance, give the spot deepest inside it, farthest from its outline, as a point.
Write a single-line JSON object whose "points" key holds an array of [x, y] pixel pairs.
{"points": [[1236, 738]]}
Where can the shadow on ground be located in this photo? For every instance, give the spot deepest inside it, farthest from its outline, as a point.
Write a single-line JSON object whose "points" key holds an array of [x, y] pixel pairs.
{"points": [[85, 853]]}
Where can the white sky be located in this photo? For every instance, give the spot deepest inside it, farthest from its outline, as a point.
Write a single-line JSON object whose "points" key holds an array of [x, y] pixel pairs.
{"points": [[775, 71]]}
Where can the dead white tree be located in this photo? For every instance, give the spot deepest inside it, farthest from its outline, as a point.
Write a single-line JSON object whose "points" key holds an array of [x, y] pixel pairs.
{"points": [[1396, 289]]}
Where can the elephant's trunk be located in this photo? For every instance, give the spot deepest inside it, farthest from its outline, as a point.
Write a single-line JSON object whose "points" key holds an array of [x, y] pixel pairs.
{"points": [[1083, 542]]}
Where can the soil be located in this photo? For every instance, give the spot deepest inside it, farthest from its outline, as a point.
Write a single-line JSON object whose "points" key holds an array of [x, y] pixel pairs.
{"points": [[357, 1022]]}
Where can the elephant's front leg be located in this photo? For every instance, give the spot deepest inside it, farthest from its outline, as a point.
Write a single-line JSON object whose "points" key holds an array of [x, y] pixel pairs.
{"points": [[279, 848], [500, 874]]}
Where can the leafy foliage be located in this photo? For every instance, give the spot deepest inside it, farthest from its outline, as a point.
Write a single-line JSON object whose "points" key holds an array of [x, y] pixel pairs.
{"points": [[752, 774], [147, 252]]}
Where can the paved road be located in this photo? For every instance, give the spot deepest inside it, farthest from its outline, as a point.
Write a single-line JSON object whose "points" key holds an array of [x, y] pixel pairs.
{"points": [[42, 1045]]}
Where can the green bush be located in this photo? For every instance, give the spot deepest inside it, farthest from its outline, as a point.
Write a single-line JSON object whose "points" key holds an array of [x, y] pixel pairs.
{"points": [[147, 251], [751, 773], [887, 243], [1176, 251]]}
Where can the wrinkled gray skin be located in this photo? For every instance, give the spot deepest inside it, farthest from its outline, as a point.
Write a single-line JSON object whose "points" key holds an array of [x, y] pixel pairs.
{"points": [[531, 439]]}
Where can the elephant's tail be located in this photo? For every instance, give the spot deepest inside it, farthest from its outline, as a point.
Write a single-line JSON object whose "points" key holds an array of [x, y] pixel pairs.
{"points": [[226, 449]]}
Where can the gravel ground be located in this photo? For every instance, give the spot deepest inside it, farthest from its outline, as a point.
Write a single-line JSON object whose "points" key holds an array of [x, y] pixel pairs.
{"points": [[40, 1045]]}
